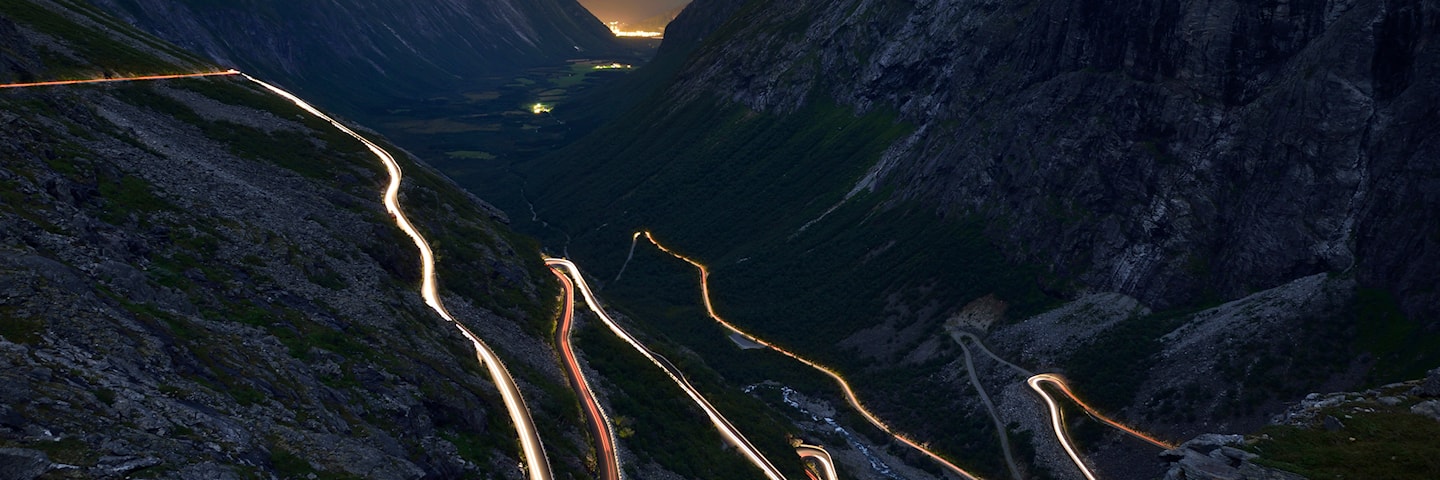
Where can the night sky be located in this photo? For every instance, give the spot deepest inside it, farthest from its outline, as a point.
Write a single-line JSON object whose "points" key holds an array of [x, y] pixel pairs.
{"points": [[630, 10]]}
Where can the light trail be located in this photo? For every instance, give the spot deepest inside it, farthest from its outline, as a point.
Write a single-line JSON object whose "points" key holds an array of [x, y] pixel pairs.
{"points": [[727, 430], [1059, 382], [534, 450], [608, 462], [119, 79], [844, 385], [1057, 422], [822, 457]]}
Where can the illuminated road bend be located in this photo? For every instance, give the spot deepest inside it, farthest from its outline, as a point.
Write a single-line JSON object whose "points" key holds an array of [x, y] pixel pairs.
{"points": [[727, 430], [119, 79], [534, 450], [1057, 422], [608, 463], [822, 457], [844, 385], [1059, 382]]}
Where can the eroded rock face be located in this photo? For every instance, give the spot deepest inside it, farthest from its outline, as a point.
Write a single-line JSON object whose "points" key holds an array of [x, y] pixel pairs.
{"points": [[1161, 151], [22, 464]]}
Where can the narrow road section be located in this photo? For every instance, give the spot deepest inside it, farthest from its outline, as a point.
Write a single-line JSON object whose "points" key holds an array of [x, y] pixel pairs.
{"points": [[994, 413], [119, 79], [844, 385], [607, 462], [1057, 422], [732, 435]]}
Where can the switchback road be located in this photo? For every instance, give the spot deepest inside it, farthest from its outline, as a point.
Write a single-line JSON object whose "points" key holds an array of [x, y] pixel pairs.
{"points": [[607, 462]]}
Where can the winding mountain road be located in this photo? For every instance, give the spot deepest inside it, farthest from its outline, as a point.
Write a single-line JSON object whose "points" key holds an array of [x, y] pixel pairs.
{"points": [[536, 463], [732, 435], [844, 385], [1057, 423], [538, 466], [607, 462]]}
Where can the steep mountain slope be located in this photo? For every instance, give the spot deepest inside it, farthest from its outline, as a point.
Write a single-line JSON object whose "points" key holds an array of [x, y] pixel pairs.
{"points": [[1198, 130], [1232, 203], [360, 53], [198, 280]]}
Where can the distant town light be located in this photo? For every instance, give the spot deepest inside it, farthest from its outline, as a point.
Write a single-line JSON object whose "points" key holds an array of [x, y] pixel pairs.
{"points": [[540, 108], [615, 28]]}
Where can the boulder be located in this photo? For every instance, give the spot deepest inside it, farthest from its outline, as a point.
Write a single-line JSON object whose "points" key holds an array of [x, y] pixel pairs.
{"points": [[1429, 408], [1430, 387], [1217, 457]]}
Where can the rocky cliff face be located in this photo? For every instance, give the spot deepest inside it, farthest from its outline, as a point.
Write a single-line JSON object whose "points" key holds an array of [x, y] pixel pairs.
{"points": [[343, 52], [1174, 150], [197, 280]]}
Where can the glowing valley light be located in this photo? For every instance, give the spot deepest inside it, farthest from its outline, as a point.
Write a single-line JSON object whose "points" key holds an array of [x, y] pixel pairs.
{"points": [[615, 29], [613, 66], [540, 108], [119, 79], [844, 385], [534, 450], [732, 435]]}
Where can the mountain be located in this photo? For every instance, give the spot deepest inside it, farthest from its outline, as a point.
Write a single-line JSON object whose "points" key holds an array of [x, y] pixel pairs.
{"points": [[1198, 211], [199, 280], [633, 12], [357, 54]]}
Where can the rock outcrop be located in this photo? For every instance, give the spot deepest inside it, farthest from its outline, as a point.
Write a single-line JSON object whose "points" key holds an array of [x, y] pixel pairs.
{"points": [[1430, 387], [1218, 457], [1165, 152]]}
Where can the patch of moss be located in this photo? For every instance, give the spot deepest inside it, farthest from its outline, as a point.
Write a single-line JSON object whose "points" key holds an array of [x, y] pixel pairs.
{"points": [[1384, 445], [127, 195], [17, 329], [1403, 348], [70, 451]]}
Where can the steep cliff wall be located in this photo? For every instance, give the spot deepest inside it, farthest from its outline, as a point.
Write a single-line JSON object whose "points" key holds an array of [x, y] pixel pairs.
{"points": [[1172, 150]]}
